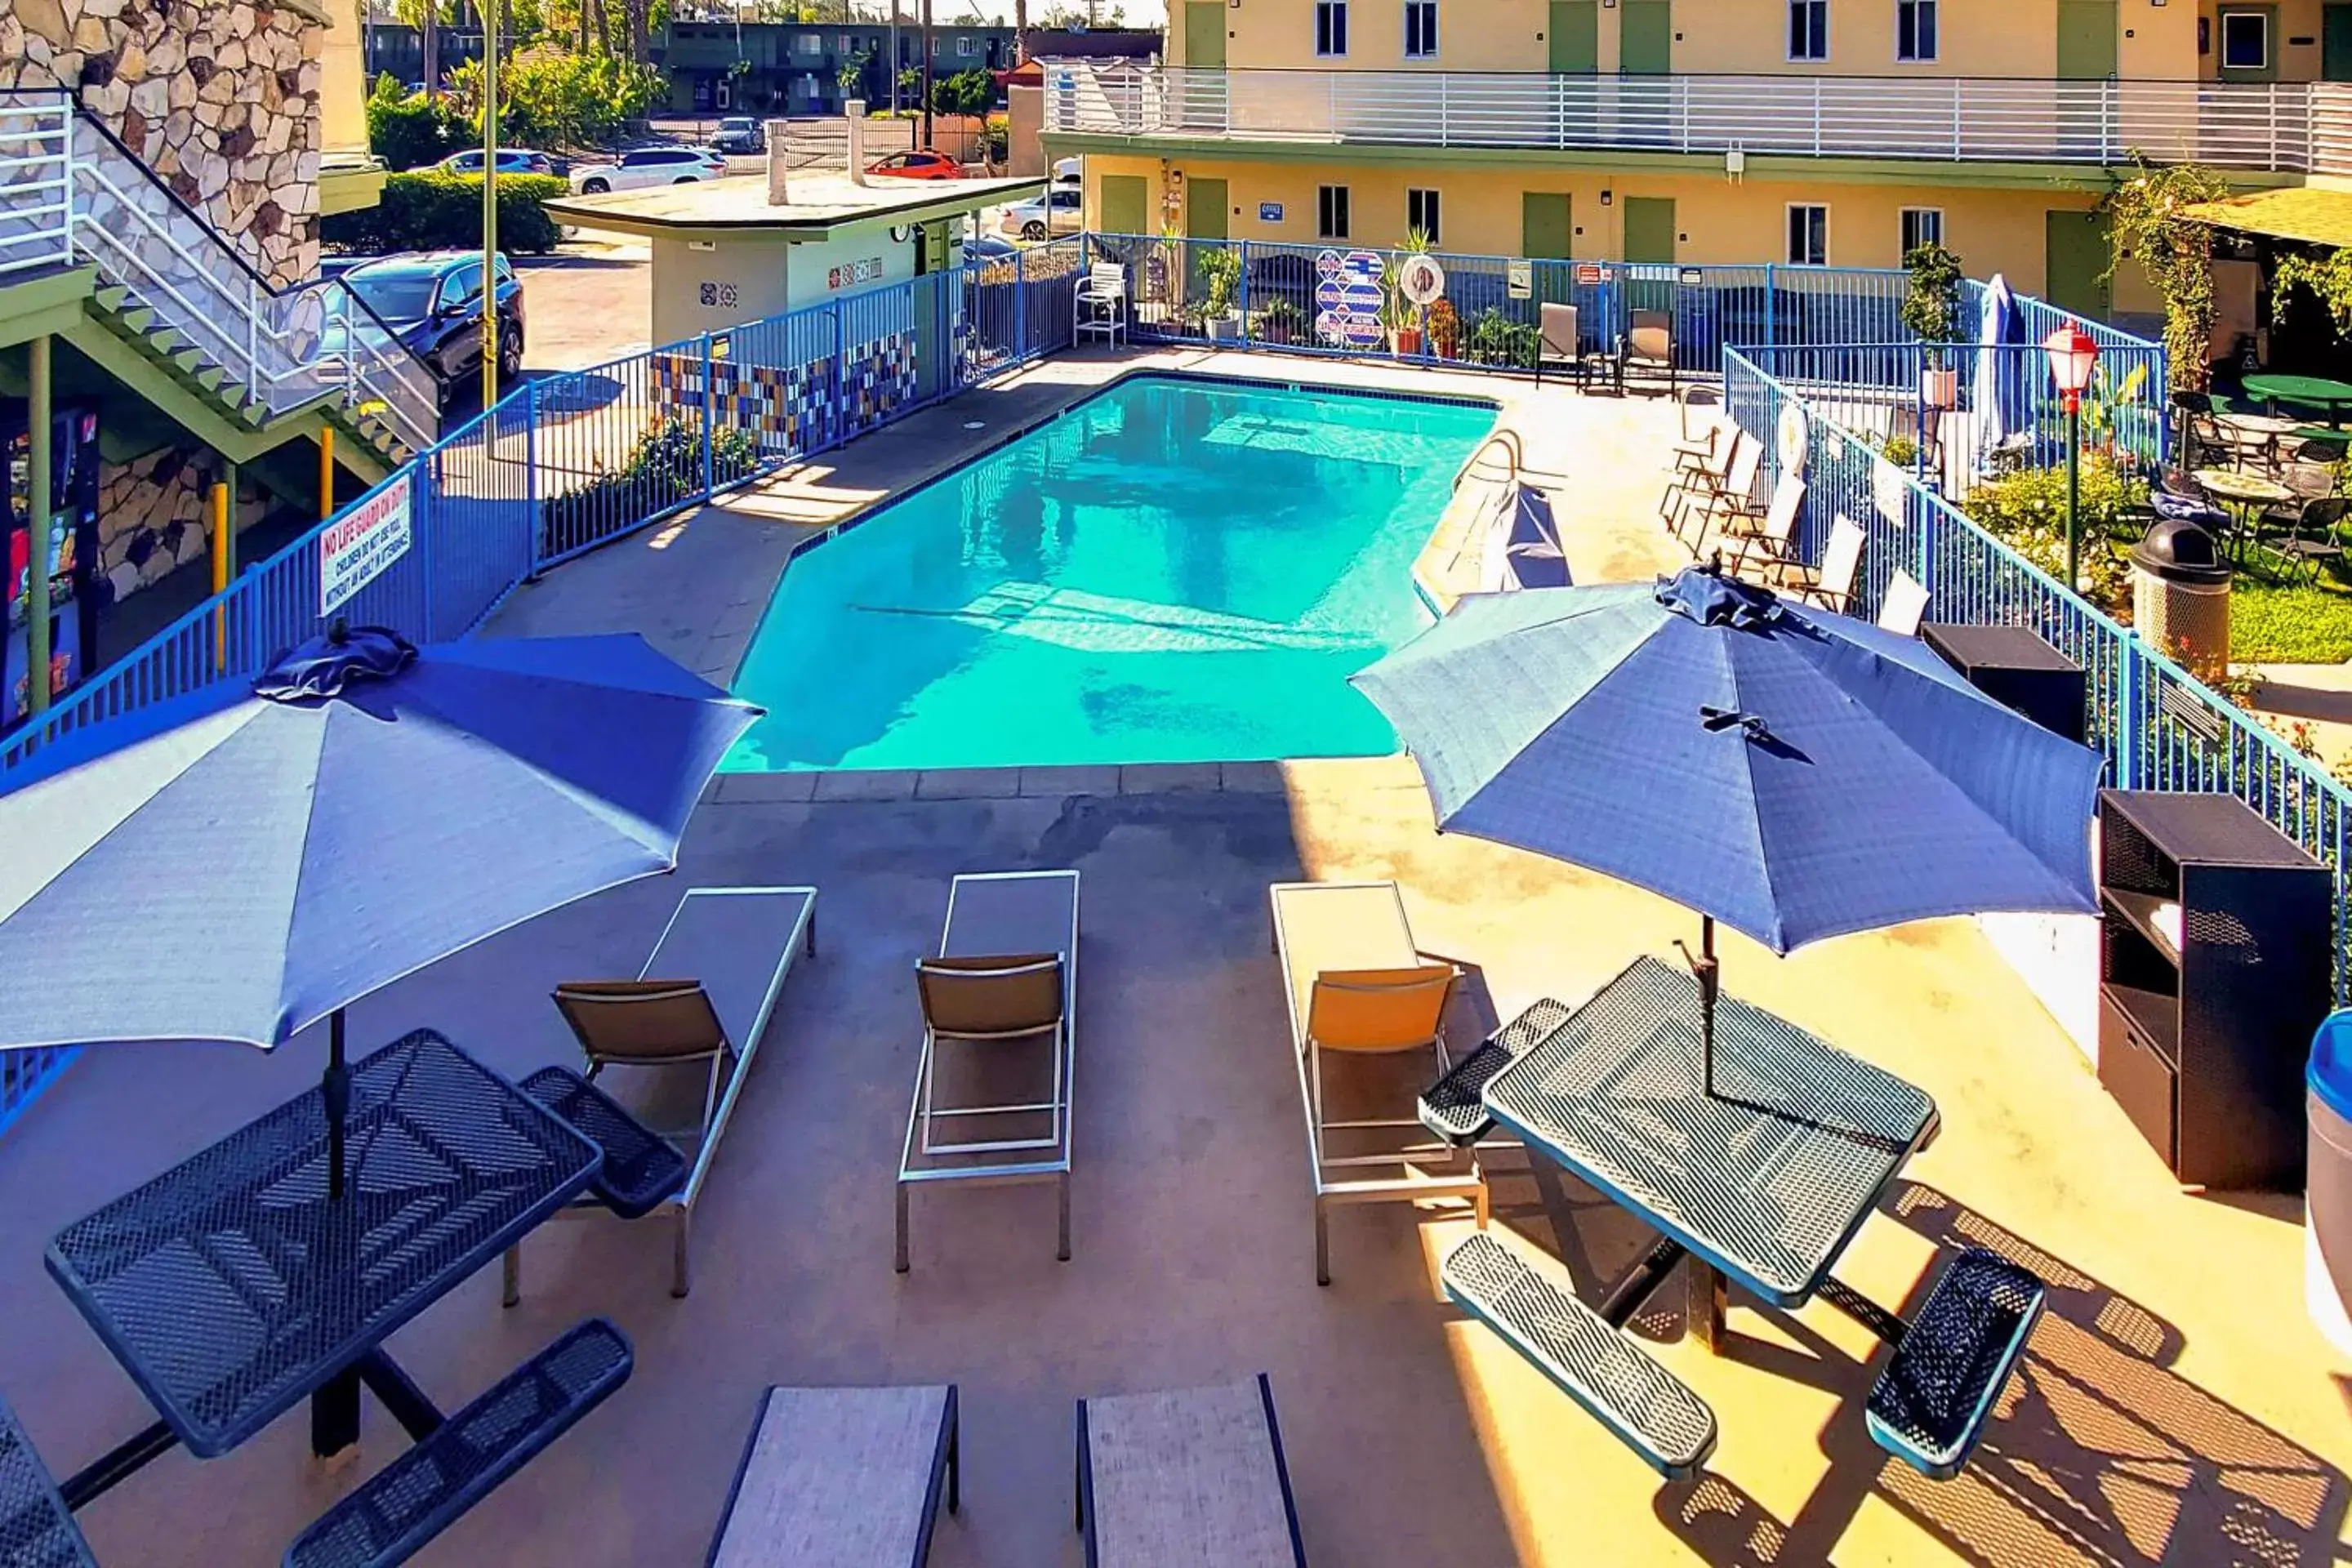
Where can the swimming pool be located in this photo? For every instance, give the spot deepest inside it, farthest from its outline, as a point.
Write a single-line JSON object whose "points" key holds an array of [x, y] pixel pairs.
{"points": [[1175, 570]]}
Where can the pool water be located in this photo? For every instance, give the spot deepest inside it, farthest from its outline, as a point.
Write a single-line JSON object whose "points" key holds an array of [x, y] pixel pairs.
{"points": [[1172, 571]]}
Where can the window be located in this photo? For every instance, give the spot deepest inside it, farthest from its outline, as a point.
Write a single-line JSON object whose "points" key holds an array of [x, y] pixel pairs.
{"points": [[1331, 212], [1922, 226], [1330, 27], [1420, 29], [1809, 29], [1808, 234], [461, 285], [1914, 29], [967, 46], [809, 44], [1421, 213], [2245, 40]]}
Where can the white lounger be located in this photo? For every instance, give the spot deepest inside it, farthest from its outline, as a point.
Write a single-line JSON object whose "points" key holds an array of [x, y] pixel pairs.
{"points": [[840, 1478]]}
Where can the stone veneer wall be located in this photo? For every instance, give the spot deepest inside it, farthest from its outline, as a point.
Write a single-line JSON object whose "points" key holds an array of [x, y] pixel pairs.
{"points": [[221, 100]]}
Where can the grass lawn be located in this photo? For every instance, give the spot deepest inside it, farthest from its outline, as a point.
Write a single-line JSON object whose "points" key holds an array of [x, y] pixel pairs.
{"points": [[2276, 623]]}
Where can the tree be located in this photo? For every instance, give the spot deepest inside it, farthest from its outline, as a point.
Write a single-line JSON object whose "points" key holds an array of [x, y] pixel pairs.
{"points": [[407, 130], [550, 97], [966, 93], [852, 71], [2147, 222]]}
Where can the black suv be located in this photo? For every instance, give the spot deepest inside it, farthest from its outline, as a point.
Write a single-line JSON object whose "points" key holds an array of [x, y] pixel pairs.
{"points": [[434, 302]]}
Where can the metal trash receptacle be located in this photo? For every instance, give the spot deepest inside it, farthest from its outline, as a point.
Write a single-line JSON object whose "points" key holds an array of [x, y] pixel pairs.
{"points": [[2181, 592], [2328, 1196]]}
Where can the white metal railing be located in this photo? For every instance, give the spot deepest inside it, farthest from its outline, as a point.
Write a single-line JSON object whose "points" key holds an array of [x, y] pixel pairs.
{"points": [[69, 191], [2269, 126]]}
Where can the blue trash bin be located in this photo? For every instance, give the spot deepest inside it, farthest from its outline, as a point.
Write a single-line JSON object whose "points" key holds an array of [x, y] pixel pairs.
{"points": [[2328, 1201]]}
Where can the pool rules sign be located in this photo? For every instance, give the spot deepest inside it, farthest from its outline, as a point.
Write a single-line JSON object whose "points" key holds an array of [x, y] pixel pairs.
{"points": [[358, 547]]}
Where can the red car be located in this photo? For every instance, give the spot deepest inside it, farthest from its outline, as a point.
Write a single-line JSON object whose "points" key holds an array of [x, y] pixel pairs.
{"points": [[923, 166]]}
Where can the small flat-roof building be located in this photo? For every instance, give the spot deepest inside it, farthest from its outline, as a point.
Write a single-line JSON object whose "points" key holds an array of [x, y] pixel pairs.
{"points": [[724, 253]]}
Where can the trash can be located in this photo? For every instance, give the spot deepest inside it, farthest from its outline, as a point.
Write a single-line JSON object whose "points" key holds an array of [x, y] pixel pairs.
{"points": [[2327, 1201], [2181, 592]]}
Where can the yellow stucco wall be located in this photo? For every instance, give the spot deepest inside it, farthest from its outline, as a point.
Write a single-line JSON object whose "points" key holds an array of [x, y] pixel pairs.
{"points": [[2008, 39], [2293, 20], [343, 84], [1716, 221]]}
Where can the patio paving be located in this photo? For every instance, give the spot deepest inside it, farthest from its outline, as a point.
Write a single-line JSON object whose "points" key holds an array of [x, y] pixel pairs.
{"points": [[2175, 1406]]}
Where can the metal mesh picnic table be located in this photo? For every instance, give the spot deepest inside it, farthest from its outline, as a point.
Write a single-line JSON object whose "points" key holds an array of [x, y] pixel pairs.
{"points": [[230, 1287], [1765, 1178]]}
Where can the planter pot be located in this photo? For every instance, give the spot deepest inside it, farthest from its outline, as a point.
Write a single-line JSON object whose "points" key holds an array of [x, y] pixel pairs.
{"points": [[1940, 388], [1407, 340], [1225, 328]]}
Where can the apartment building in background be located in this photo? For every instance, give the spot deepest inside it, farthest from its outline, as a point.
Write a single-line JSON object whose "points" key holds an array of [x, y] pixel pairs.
{"points": [[1836, 133]]}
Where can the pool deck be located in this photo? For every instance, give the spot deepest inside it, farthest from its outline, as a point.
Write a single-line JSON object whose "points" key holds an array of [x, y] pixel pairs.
{"points": [[2176, 1406]]}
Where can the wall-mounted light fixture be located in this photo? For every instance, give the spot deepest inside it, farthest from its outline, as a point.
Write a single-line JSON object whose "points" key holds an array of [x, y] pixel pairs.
{"points": [[1607, 197]]}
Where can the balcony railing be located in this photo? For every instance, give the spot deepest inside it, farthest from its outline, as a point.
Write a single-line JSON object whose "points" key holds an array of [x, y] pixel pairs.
{"points": [[2287, 127]]}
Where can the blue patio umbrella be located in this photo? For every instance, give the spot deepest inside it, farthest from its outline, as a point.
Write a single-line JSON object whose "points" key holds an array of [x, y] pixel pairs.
{"points": [[2000, 388], [252, 859], [1793, 773]]}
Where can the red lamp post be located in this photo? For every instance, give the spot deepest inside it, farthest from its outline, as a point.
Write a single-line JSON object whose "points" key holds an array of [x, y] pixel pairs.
{"points": [[2073, 357]]}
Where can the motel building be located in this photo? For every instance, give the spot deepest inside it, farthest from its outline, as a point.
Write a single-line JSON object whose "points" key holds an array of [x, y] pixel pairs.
{"points": [[1795, 133]]}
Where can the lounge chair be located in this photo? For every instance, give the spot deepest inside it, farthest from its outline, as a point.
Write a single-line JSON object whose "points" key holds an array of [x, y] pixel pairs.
{"points": [[842, 1477], [1831, 585], [1719, 503], [1697, 476], [1192, 1475], [1903, 607], [1000, 1032], [739, 944], [1359, 990], [1560, 341]]}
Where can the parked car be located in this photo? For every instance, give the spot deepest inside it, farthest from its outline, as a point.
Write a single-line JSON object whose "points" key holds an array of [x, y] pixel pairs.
{"points": [[919, 165], [433, 302], [739, 134], [511, 161], [1068, 172], [988, 247], [1056, 212], [643, 166]]}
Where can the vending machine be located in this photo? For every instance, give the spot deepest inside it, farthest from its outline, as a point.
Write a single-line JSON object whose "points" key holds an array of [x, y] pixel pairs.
{"points": [[65, 545]]}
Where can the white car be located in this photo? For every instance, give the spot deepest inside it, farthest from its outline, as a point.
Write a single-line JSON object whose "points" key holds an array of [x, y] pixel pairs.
{"points": [[1056, 212], [649, 166]]}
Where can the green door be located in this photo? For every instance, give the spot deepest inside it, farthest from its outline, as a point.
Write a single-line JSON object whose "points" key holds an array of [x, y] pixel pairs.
{"points": [[2086, 39], [1645, 36], [1122, 204], [1204, 34], [2335, 45], [1575, 36], [2074, 252], [1204, 209], [1544, 229], [1649, 229]]}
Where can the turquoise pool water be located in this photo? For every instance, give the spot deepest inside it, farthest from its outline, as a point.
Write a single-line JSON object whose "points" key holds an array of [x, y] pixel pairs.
{"points": [[1174, 570]]}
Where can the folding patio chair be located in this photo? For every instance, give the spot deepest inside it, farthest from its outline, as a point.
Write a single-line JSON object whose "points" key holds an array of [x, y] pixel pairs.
{"points": [[1832, 584], [1718, 504], [1903, 607], [999, 1002], [1699, 470], [1360, 992], [1769, 538]]}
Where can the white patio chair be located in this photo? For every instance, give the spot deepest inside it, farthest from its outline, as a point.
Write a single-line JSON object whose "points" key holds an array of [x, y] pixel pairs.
{"points": [[1098, 304], [1832, 585], [1904, 606]]}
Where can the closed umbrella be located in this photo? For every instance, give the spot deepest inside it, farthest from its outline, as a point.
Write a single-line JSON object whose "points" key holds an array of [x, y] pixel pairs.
{"points": [[1999, 391], [252, 861], [1793, 773]]}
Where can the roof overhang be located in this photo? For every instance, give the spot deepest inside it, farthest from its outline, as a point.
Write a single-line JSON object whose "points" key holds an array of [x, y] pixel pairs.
{"points": [[823, 205]]}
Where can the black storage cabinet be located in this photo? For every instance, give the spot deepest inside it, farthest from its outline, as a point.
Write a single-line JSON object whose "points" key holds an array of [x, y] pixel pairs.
{"points": [[2014, 666], [2202, 1042]]}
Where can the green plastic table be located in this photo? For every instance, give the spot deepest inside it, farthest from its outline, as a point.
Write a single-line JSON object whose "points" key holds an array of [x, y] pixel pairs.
{"points": [[2330, 397]]}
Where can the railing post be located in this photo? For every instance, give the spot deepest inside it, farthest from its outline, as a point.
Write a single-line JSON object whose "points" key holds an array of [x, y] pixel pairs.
{"points": [[531, 507], [2125, 714], [709, 421], [840, 375], [253, 339], [1244, 293], [423, 488], [1771, 307], [66, 140], [1817, 116]]}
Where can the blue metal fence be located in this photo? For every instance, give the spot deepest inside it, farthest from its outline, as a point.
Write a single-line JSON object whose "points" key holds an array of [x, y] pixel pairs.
{"points": [[2159, 726]]}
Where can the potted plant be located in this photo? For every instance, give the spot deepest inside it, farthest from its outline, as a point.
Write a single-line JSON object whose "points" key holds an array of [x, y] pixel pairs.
{"points": [[1400, 315], [1279, 322], [1220, 273], [1444, 330], [1931, 309]]}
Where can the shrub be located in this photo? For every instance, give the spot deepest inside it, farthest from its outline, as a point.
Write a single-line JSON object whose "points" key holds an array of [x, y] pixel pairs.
{"points": [[966, 93], [1220, 274], [2027, 512], [1497, 339], [408, 132], [662, 470], [422, 210]]}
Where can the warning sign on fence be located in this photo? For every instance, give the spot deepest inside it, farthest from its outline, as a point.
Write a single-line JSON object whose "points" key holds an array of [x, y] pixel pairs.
{"points": [[355, 549]]}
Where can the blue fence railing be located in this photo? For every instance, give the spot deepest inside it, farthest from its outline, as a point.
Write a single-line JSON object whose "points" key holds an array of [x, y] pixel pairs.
{"points": [[2157, 725]]}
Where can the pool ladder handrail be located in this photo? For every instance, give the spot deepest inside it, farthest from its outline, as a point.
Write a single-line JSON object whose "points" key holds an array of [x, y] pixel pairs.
{"points": [[1505, 437]]}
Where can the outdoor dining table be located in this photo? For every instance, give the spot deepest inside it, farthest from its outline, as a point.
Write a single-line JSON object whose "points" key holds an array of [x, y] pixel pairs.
{"points": [[2244, 496], [232, 1286], [2330, 397], [1764, 1178]]}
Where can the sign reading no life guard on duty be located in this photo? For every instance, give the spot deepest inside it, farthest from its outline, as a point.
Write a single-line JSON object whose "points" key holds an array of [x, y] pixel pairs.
{"points": [[355, 549]]}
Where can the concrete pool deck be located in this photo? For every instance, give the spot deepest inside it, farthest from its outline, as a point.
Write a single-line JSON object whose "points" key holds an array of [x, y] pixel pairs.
{"points": [[2175, 1406]]}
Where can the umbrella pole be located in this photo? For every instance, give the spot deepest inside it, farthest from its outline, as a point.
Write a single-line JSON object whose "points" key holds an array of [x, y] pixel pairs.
{"points": [[336, 1088], [1707, 971]]}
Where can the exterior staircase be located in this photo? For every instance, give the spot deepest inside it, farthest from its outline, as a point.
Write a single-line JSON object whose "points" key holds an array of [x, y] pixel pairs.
{"points": [[173, 289]]}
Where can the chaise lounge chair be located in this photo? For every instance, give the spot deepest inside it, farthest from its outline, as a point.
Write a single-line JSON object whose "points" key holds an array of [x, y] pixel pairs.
{"points": [[1359, 990], [1000, 1001], [1192, 1476], [840, 1478], [741, 944]]}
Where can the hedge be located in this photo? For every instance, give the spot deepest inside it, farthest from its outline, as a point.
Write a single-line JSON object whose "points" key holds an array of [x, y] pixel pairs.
{"points": [[426, 210]]}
